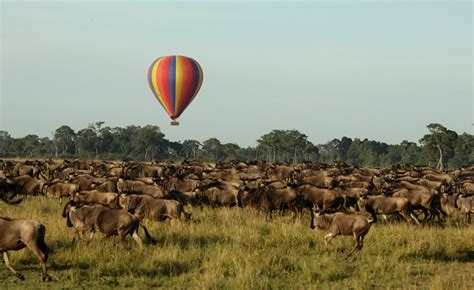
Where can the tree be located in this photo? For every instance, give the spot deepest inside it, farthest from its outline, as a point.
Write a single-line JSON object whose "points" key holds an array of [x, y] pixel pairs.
{"points": [[287, 146], [463, 151], [151, 142], [191, 147], [230, 151], [440, 140], [64, 138], [30, 143], [86, 141], [4, 139], [212, 146]]}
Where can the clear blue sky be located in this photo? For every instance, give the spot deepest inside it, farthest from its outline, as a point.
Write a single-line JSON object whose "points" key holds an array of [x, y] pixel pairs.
{"points": [[357, 69]]}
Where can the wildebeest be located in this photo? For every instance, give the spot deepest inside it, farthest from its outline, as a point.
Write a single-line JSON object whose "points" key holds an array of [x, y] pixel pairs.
{"points": [[150, 208], [323, 198], [466, 207], [386, 205], [60, 189], [139, 187], [94, 196], [219, 195], [96, 217], [429, 203], [27, 185], [346, 225], [16, 234], [8, 192], [183, 197]]}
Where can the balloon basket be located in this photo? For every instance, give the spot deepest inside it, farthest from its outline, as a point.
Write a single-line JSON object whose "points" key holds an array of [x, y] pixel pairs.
{"points": [[174, 123]]}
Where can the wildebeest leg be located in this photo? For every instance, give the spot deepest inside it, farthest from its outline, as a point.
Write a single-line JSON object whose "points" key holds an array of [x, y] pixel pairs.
{"points": [[269, 215], [311, 214], [356, 246], [137, 238], [440, 214], [427, 214], [9, 266], [405, 217], [374, 216], [40, 249], [466, 220], [43, 257], [385, 219], [78, 234], [415, 219], [148, 237], [360, 244], [121, 235], [328, 238]]}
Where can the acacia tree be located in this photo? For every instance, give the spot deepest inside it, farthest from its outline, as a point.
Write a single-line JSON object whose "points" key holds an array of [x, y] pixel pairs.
{"points": [[287, 145], [30, 143], [463, 151], [86, 140], [150, 140], [440, 140], [191, 147], [64, 138], [213, 147]]}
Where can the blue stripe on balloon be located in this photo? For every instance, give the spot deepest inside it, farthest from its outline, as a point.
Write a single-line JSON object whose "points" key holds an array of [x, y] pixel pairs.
{"points": [[172, 82]]}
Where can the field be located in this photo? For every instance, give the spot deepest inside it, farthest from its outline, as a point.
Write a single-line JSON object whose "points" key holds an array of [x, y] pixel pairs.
{"points": [[235, 248]]}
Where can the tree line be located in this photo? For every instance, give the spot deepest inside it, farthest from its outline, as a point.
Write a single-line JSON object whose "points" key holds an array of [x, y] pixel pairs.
{"points": [[440, 147]]}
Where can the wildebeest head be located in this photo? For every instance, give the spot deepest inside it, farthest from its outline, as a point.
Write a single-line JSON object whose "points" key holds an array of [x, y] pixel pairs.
{"points": [[322, 221], [66, 210], [123, 201], [362, 202]]}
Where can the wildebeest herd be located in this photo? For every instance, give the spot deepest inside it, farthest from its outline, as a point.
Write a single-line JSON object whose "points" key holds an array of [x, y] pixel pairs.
{"points": [[114, 198]]}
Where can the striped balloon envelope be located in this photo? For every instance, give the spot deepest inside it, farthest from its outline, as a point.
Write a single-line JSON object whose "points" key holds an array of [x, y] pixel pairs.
{"points": [[175, 81]]}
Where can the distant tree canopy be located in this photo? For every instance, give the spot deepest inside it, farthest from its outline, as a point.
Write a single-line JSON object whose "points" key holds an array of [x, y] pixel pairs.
{"points": [[440, 147]]}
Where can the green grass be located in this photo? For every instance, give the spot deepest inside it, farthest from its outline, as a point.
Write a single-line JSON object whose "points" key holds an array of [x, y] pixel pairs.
{"points": [[239, 249]]}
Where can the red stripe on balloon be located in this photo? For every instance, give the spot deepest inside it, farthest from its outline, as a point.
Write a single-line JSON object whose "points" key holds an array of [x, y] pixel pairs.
{"points": [[197, 82], [187, 84], [162, 79]]}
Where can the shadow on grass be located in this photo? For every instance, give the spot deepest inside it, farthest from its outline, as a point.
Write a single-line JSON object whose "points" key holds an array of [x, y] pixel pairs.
{"points": [[461, 255], [185, 241], [60, 245], [65, 266], [160, 269]]}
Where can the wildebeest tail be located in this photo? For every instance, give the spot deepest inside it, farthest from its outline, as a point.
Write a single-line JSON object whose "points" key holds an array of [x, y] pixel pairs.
{"points": [[187, 216], [41, 243], [148, 238]]}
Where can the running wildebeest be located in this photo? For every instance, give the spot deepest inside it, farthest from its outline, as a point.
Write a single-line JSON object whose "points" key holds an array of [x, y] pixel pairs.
{"points": [[147, 207], [96, 217], [346, 225], [16, 234]]}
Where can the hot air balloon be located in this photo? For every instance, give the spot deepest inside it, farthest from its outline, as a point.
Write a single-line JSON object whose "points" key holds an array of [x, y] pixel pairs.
{"points": [[175, 81]]}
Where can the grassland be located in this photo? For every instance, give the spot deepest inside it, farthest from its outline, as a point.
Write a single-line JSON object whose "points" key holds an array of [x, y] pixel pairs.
{"points": [[239, 249]]}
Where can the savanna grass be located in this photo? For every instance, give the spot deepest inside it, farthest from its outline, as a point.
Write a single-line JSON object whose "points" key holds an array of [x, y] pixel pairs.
{"points": [[240, 249]]}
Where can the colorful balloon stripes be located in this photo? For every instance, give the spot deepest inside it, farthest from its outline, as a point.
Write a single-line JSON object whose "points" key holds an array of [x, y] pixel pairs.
{"points": [[175, 81]]}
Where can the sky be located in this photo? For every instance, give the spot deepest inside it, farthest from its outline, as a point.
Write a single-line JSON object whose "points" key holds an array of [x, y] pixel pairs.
{"points": [[376, 70]]}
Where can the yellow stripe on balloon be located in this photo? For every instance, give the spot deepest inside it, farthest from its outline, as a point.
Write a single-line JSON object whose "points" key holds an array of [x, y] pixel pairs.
{"points": [[155, 85], [178, 83]]}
